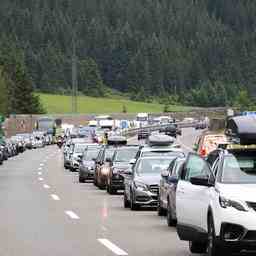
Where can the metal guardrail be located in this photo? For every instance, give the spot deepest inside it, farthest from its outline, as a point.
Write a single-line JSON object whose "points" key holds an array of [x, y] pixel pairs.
{"points": [[133, 131]]}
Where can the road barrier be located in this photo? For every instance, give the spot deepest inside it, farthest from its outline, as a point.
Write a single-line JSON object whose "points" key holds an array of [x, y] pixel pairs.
{"points": [[151, 128]]}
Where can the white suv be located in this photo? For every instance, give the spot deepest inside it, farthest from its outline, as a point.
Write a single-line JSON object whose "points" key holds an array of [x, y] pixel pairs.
{"points": [[216, 201]]}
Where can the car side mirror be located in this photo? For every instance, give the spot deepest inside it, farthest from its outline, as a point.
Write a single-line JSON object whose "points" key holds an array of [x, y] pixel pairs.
{"points": [[132, 161], [165, 174], [195, 147], [202, 181]]}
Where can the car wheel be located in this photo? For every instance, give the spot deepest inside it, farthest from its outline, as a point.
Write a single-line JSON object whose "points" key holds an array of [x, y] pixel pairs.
{"points": [[133, 205], [160, 210], [126, 202], [197, 247], [111, 191], [170, 220], [212, 249]]}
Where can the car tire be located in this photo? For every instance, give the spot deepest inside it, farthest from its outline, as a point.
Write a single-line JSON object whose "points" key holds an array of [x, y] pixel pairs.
{"points": [[212, 248], [160, 210], [133, 206], [126, 202], [197, 247], [170, 220], [110, 190]]}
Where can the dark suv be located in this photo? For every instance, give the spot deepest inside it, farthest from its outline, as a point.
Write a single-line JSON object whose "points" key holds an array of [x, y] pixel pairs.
{"points": [[120, 162]]}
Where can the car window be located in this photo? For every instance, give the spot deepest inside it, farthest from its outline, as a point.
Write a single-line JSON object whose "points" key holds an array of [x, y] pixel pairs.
{"points": [[212, 158], [196, 166], [215, 166]]}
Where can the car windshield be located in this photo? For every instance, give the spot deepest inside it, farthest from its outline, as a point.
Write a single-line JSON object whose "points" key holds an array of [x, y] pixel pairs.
{"points": [[79, 148], [125, 155], [152, 165], [90, 155], [239, 168]]}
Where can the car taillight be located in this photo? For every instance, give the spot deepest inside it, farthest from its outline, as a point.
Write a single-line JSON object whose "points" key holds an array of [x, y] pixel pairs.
{"points": [[203, 152]]}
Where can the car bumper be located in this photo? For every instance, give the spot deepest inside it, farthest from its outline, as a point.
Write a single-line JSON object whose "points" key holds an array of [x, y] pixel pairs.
{"points": [[86, 174], [146, 198], [117, 183]]}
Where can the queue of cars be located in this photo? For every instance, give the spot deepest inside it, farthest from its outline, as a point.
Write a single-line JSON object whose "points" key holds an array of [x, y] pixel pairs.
{"points": [[19, 143], [208, 196]]}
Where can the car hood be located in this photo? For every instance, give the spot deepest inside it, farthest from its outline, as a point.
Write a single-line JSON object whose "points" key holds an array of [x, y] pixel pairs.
{"points": [[151, 179], [121, 165], [244, 192]]}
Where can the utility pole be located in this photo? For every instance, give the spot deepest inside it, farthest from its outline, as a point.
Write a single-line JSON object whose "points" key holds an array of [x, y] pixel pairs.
{"points": [[74, 75]]}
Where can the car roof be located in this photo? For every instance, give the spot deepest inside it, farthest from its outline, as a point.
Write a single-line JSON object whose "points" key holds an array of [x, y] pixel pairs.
{"points": [[155, 157], [160, 148]]}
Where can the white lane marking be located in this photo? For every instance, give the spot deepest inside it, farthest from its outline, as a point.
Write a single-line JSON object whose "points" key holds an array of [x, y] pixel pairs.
{"points": [[55, 197], [104, 228], [40, 179], [72, 215], [41, 164], [39, 173], [46, 186], [112, 247], [40, 169]]}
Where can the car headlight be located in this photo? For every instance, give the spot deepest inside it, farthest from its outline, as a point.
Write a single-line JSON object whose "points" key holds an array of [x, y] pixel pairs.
{"points": [[239, 205], [105, 170], [140, 186]]}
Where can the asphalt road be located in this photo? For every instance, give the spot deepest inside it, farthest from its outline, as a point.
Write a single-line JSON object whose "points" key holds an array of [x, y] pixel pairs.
{"points": [[45, 211]]}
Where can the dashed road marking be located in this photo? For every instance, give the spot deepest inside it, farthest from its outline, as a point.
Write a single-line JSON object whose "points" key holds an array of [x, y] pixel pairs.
{"points": [[55, 197], [42, 164], [72, 215], [40, 169], [39, 173], [40, 179], [112, 247], [46, 186]]}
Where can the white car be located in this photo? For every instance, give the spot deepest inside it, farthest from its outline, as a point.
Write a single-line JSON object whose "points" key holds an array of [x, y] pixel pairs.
{"points": [[216, 202]]}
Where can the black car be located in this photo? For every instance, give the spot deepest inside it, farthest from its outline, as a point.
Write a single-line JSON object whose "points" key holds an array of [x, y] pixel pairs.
{"points": [[167, 190], [1, 156], [120, 162], [172, 130], [143, 134]]}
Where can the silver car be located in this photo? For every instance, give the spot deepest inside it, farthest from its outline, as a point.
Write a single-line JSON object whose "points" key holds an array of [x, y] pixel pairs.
{"points": [[142, 181]]}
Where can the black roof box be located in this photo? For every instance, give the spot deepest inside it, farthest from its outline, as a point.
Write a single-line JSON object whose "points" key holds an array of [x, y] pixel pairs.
{"points": [[242, 129], [117, 140], [160, 140]]}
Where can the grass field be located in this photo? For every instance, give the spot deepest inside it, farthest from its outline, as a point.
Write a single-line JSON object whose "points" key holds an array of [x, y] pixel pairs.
{"points": [[59, 104]]}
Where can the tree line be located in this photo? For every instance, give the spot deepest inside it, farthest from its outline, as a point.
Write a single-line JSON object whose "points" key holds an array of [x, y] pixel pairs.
{"points": [[196, 52]]}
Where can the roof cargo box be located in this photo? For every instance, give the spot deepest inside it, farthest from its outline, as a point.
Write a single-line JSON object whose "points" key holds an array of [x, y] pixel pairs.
{"points": [[242, 129], [160, 140], [117, 140]]}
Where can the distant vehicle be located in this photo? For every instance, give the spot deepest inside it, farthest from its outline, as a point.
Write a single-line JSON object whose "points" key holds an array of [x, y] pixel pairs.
{"points": [[142, 181], [46, 124], [202, 124], [92, 123], [165, 120], [189, 120], [105, 122], [171, 130], [207, 142], [143, 133], [142, 119]]}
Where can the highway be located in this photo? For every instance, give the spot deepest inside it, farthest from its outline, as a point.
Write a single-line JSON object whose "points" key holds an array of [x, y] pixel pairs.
{"points": [[45, 211]]}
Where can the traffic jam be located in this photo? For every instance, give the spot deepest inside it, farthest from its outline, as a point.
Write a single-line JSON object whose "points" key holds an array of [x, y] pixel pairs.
{"points": [[207, 194]]}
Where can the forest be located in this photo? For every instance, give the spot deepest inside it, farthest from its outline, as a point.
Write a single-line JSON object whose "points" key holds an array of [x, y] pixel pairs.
{"points": [[195, 52]]}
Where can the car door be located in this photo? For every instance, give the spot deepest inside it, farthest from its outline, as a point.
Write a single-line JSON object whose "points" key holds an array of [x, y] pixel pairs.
{"points": [[172, 185], [192, 201], [128, 179], [164, 185]]}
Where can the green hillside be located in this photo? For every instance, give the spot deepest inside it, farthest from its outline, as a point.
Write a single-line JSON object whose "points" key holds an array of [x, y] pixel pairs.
{"points": [[62, 104]]}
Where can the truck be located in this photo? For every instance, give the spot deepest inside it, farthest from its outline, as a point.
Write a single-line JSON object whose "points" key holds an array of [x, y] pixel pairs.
{"points": [[142, 119]]}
